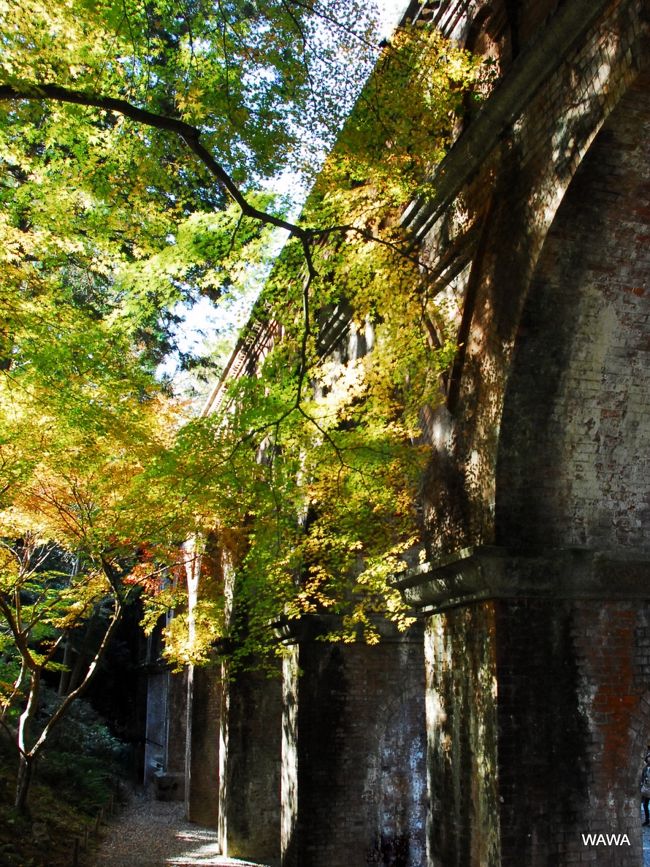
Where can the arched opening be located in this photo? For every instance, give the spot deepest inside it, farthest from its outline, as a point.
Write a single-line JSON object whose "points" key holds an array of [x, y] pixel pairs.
{"points": [[575, 443]]}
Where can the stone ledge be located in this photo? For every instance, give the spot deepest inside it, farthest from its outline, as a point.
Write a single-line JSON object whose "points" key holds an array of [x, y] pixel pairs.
{"points": [[313, 627], [530, 70], [491, 572]]}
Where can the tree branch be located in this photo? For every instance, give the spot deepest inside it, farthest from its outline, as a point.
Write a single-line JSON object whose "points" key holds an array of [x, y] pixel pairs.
{"points": [[6, 703], [92, 669], [320, 10], [18, 634], [191, 135]]}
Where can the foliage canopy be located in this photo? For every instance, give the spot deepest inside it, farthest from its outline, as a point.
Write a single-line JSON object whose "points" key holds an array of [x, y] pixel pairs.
{"points": [[134, 140]]}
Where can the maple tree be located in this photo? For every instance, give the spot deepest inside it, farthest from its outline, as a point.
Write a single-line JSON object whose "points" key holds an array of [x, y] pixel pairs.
{"points": [[134, 139], [316, 460], [79, 418]]}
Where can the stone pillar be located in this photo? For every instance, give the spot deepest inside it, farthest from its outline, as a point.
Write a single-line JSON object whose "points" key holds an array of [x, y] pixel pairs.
{"points": [[461, 704], [251, 732], [176, 721], [203, 745], [353, 752], [156, 724], [538, 706], [170, 780]]}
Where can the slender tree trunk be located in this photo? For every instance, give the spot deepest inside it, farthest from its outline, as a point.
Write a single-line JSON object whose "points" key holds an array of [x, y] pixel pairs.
{"points": [[26, 764], [68, 649], [64, 679], [23, 783]]}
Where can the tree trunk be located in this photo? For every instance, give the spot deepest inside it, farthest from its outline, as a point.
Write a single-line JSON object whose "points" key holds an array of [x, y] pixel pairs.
{"points": [[64, 678], [26, 765], [25, 770], [68, 648]]}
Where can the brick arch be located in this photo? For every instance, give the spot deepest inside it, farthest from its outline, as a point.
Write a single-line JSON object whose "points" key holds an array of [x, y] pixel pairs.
{"points": [[574, 447], [496, 231]]}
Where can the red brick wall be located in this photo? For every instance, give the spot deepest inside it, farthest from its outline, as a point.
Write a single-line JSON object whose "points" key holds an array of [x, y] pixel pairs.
{"points": [[538, 718], [359, 747], [506, 211], [251, 788], [176, 723], [543, 443], [544, 736], [575, 443], [574, 721], [202, 769]]}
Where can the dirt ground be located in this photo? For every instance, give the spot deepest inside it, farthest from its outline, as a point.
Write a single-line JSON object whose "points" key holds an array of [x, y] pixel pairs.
{"points": [[149, 833]]}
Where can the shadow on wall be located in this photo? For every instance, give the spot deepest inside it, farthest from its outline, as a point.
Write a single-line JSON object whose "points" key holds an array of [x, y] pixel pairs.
{"points": [[575, 442]]}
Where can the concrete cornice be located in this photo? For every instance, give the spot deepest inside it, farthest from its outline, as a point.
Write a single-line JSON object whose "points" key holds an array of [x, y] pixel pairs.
{"points": [[445, 15], [491, 572], [529, 71], [256, 336]]}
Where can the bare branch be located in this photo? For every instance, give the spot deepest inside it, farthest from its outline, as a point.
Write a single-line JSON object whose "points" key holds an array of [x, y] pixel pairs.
{"points": [[18, 634], [320, 10], [8, 701]]}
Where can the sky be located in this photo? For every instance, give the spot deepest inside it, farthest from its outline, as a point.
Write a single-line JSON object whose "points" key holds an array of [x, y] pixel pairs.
{"points": [[390, 12]]}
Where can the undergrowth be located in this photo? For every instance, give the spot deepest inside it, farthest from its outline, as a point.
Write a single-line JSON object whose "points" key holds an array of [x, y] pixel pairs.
{"points": [[76, 776]]}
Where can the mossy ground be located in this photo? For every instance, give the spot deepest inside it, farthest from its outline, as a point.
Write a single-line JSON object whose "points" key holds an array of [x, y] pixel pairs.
{"points": [[44, 836]]}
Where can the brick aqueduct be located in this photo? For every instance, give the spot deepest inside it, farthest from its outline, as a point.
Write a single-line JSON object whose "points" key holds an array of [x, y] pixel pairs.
{"points": [[514, 718]]}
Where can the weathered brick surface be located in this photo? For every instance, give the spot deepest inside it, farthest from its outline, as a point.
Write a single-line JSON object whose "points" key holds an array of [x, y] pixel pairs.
{"points": [[612, 652], [543, 734], [575, 446], [176, 723], [462, 738], [574, 723], [356, 747], [537, 737], [544, 443], [170, 784], [250, 791], [155, 734], [507, 209], [202, 768]]}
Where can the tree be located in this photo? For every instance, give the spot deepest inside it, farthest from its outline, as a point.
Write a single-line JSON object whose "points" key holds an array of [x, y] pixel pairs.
{"points": [[79, 419], [314, 466], [134, 136], [45, 605], [106, 226]]}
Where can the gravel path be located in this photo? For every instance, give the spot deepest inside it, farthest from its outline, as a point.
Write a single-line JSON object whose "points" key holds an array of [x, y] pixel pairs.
{"points": [[152, 833]]}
